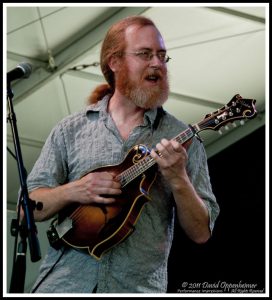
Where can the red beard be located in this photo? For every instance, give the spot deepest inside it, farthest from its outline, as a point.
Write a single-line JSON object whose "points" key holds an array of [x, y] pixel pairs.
{"points": [[145, 97]]}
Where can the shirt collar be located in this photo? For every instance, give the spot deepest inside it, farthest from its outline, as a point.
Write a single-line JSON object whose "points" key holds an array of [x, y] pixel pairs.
{"points": [[101, 106]]}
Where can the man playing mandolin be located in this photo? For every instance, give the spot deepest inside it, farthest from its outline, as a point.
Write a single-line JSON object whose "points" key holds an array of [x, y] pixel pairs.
{"points": [[116, 176]]}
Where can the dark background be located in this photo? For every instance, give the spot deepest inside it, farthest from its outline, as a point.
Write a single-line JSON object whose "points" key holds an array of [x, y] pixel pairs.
{"points": [[236, 251]]}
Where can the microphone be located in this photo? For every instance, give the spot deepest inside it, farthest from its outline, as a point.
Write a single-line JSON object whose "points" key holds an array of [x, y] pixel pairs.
{"points": [[23, 70]]}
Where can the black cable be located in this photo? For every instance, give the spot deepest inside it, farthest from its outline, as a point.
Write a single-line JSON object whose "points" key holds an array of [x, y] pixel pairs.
{"points": [[40, 282], [11, 153], [84, 66]]}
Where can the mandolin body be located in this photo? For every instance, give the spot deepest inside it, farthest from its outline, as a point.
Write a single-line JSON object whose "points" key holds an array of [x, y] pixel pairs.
{"points": [[98, 227]]}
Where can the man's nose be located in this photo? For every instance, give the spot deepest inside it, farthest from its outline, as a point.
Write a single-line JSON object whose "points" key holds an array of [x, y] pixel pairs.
{"points": [[155, 61]]}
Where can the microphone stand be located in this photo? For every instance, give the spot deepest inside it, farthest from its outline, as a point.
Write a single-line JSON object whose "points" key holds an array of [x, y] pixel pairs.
{"points": [[27, 228]]}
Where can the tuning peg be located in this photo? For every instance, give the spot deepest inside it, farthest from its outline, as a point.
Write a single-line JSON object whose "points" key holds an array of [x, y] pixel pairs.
{"points": [[242, 122], [234, 125], [220, 132], [227, 127]]}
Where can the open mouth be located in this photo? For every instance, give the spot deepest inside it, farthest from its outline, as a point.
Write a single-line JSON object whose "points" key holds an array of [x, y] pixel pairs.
{"points": [[152, 78]]}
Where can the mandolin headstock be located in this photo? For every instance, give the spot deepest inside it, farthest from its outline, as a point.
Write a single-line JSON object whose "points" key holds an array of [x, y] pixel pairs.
{"points": [[237, 109]]}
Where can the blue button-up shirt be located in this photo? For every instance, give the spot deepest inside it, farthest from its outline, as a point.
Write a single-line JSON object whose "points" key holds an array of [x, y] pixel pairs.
{"points": [[88, 140]]}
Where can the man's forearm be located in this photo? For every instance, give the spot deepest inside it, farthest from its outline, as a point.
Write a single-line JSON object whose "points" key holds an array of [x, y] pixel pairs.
{"points": [[53, 200], [192, 213]]}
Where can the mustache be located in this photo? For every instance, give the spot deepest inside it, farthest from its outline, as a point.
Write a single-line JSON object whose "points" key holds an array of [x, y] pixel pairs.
{"points": [[155, 72]]}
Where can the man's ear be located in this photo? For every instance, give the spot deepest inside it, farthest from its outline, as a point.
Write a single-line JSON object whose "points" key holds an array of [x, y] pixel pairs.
{"points": [[114, 63]]}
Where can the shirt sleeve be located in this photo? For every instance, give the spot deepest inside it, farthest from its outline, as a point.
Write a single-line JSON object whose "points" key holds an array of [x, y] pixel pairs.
{"points": [[198, 172], [50, 170]]}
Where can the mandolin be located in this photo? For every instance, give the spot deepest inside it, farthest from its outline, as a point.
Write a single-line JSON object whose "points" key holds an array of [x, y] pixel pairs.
{"points": [[95, 228]]}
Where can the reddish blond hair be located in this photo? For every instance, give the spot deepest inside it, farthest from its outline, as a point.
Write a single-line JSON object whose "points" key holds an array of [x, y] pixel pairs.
{"points": [[114, 43]]}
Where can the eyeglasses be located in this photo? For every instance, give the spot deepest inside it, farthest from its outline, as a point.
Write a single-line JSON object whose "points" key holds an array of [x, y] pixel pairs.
{"points": [[148, 55]]}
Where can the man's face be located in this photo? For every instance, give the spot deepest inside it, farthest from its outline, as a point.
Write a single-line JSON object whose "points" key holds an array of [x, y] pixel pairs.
{"points": [[143, 81]]}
